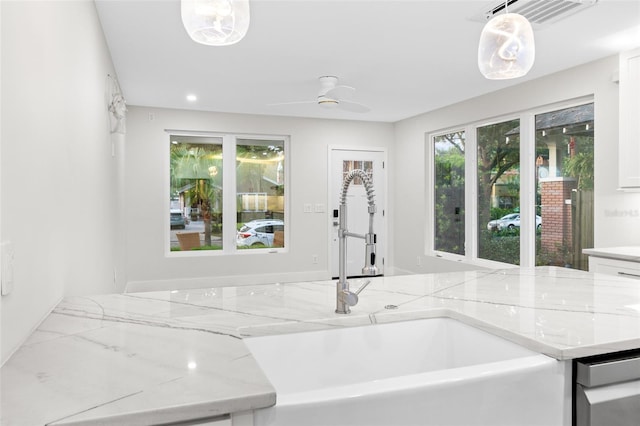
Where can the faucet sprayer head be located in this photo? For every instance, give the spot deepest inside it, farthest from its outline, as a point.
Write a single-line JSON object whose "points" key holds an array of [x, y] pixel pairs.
{"points": [[370, 267], [370, 271]]}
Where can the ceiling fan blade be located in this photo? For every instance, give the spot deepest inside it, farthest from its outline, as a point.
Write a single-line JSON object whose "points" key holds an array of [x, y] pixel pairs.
{"points": [[340, 92], [353, 107], [293, 103]]}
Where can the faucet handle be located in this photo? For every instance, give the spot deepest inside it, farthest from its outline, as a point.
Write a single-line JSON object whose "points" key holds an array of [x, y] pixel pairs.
{"points": [[348, 297], [366, 283], [351, 298]]}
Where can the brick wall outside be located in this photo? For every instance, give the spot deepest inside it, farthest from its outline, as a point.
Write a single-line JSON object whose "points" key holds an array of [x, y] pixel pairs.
{"points": [[556, 218]]}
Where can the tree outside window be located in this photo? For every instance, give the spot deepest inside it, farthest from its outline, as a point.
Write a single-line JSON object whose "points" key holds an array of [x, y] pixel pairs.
{"points": [[498, 191], [196, 191]]}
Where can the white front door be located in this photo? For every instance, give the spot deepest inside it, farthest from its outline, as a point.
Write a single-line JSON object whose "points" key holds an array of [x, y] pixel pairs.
{"points": [[372, 162]]}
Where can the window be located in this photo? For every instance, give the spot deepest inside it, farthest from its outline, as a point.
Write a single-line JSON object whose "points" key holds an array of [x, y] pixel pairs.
{"points": [[206, 210], [350, 165], [196, 191], [491, 166], [449, 192], [564, 186], [260, 193], [499, 192]]}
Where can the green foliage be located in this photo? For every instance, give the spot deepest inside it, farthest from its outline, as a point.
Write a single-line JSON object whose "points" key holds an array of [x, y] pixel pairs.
{"points": [[497, 212], [502, 246], [196, 171], [211, 247], [497, 154], [580, 166]]}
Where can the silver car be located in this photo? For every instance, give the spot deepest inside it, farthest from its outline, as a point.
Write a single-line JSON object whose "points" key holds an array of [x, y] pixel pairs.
{"points": [[510, 221], [258, 233]]}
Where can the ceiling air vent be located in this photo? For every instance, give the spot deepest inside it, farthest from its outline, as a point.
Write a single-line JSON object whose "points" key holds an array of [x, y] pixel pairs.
{"points": [[539, 12]]}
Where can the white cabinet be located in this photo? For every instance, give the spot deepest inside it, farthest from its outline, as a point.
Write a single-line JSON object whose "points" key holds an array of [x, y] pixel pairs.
{"points": [[629, 138], [622, 268], [242, 418], [211, 421]]}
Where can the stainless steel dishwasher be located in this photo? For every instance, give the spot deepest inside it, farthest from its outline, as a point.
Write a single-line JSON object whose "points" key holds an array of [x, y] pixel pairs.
{"points": [[607, 390]]}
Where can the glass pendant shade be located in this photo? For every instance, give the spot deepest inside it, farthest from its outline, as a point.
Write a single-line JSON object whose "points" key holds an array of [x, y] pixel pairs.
{"points": [[507, 48], [215, 22]]}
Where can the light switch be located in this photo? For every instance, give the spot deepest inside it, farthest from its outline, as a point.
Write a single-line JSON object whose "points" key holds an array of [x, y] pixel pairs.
{"points": [[307, 208], [320, 208]]}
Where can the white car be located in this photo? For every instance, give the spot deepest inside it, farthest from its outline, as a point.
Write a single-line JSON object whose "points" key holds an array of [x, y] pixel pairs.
{"points": [[510, 221], [258, 232]]}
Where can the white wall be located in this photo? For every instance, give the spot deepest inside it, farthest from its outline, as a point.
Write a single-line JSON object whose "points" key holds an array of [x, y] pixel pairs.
{"points": [[611, 228], [58, 176], [146, 154], [2, 355]]}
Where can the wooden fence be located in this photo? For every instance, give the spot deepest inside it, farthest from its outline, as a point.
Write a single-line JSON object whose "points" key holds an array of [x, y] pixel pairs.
{"points": [[582, 226]]}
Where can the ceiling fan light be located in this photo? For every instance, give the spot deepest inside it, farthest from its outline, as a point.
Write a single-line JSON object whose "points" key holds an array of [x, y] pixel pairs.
{"points": [[328, 103], [507, 48], [215, 22]]}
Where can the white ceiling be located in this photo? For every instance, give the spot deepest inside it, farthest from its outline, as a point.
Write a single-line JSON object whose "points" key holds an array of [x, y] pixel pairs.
{"points": [[403, 57]]}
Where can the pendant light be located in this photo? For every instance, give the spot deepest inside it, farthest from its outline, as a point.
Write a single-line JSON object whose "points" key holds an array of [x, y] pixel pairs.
{"points": [[506, 48], [215, 22]]}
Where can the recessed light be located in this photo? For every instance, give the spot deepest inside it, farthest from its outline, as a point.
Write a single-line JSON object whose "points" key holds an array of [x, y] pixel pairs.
{"points": [[192, 98]]}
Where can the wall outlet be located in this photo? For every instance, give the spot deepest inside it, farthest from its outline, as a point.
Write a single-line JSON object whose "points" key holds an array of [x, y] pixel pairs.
{"points": [[7, 257], [320, 208], [314, 259], [307, 208]]}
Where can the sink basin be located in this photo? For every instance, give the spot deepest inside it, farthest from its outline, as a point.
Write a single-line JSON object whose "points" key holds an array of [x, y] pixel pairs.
{"points": [[372, 374]]}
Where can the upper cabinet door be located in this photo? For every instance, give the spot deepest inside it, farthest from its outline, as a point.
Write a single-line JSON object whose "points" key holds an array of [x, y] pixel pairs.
{"points": [[629, 145]]}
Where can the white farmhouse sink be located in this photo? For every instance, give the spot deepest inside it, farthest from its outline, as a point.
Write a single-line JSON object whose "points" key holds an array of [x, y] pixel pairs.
{"points": [[414, 372]]}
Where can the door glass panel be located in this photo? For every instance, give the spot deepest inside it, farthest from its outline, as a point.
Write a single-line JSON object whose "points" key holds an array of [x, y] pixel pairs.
{"points": [[195, 193], [449, 206], [260, 185], [350, 165], [564, 186], [499, 192]]}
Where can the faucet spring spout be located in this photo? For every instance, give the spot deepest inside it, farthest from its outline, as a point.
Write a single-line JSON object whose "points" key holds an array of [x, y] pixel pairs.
{"points": [[344, 297]]}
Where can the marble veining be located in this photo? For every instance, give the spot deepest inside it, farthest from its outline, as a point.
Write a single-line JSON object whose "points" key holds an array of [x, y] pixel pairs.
{"points": [[145, 358]]}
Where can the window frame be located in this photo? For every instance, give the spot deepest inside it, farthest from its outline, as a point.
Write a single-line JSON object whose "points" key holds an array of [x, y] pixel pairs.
{"points": [[229, 191], [430, 202], [527, 120]]}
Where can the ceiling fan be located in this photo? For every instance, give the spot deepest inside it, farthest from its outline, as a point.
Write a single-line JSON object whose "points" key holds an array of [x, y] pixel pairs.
{"points": [[332, 95]]}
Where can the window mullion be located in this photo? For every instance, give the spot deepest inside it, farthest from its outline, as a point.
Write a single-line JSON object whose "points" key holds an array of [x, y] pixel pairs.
{"points": [[229, 193], [527, 191], [430, 204], [471, 194]]}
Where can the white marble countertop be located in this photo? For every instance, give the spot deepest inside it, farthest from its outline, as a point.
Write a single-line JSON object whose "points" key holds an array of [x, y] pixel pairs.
{"points": [[146, 358], [629, 253]]}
